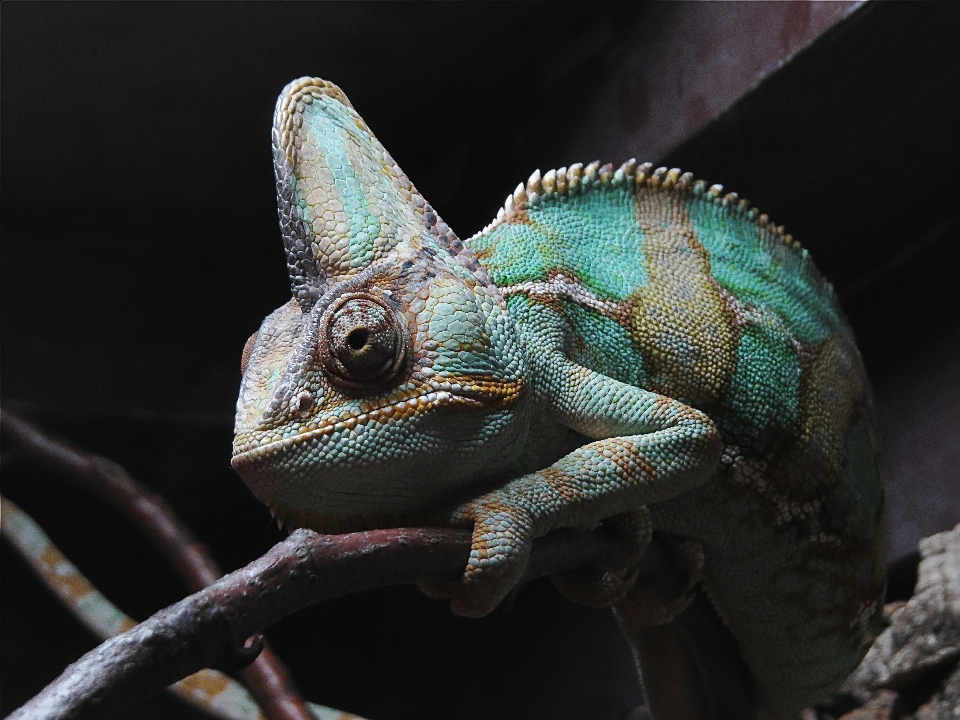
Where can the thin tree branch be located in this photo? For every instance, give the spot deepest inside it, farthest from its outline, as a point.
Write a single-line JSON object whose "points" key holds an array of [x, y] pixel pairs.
{"points": [[208, 628], [208, 690], [267, 678]]}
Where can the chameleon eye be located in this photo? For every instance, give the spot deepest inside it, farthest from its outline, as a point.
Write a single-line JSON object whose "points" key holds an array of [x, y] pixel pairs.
{"points": [[365, 342]]}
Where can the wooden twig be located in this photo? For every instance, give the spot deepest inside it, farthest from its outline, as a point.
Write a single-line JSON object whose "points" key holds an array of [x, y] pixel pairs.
{"points": [[268, 679], [208, 628], [208, 690]]}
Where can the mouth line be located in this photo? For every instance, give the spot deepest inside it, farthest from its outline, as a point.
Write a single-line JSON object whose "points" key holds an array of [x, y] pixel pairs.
{"points": [[469, 393]]}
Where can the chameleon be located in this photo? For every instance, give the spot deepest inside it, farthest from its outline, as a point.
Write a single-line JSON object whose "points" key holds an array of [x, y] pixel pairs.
{"points": [[621, 349]]}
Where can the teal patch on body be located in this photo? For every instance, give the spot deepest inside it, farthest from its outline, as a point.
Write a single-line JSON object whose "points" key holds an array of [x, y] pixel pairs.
{"points": [[857, 500], [329, 122], [592, 236], [764, 274], [764, 396], [600, 343], [511, 254]]}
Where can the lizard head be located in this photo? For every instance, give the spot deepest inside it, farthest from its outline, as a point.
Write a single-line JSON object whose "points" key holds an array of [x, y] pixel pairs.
{"points": [[391, 385]]}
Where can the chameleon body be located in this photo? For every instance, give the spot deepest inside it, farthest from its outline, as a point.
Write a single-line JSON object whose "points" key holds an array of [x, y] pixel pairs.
{"points": [[620, 346]]}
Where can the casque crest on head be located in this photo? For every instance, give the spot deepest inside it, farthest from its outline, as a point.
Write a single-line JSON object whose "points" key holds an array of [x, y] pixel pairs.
{"points": [[343, 202]]}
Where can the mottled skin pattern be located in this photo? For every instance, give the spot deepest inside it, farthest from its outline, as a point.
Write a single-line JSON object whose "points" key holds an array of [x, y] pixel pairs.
{"points": [[622, 346]]}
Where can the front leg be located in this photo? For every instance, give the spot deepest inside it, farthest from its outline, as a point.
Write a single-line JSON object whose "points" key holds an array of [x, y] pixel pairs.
{"points": [[648, 448]]}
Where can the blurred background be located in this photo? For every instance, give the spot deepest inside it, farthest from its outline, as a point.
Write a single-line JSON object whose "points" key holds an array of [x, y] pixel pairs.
{"points": [[140, 249]]}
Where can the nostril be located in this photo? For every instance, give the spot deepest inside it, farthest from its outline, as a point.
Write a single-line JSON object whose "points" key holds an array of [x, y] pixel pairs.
{"points": [[357, 338], [303, 403]]}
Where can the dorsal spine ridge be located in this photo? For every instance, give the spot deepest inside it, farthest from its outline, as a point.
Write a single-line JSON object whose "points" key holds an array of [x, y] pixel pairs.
{"points": [[576, 179]]}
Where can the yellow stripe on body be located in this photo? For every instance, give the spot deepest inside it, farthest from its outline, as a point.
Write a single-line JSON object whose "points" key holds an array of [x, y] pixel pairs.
{"points": [[682, 320]]}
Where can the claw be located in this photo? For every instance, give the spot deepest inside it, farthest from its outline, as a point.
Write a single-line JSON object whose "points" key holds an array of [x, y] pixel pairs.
{"points": [[502, 541], [669, 572], [601, 587]]}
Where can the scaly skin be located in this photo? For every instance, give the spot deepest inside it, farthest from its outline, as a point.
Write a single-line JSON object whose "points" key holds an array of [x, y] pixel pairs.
{"points": [[619, 346]]}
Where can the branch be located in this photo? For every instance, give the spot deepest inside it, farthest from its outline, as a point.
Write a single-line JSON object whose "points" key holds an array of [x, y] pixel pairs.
{"points": [[208, 690], [208, 628], [268, 678]]}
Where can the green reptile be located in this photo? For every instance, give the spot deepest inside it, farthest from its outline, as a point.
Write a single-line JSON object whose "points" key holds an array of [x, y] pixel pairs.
{"points": [[620, 346]]}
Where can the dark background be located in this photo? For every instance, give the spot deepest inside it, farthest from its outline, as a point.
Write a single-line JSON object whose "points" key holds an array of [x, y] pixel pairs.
{"points": [[140, 249]]}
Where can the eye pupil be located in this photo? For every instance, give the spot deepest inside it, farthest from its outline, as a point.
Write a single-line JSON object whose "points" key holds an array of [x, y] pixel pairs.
{"points": [[357, 338], [364, 342]]}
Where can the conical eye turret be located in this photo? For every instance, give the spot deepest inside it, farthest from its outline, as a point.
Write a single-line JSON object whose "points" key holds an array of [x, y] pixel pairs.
{"points": [[364, 343]]}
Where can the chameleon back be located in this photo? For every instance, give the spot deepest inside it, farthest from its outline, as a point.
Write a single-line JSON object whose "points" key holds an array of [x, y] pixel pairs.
{"points": [[670, 286]]}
